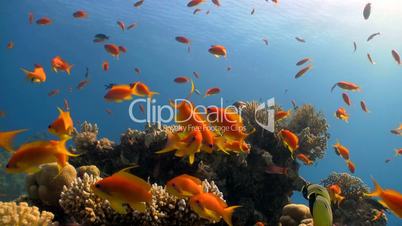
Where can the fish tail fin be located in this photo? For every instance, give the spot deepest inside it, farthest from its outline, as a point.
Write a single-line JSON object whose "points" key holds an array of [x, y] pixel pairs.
{"points": [[68, 70], [54, 69], [191, 158], [62, 146], [151, 94], [191, 90], [25, 70], [333, 87], [377, 187], [251, 132], [8, 138], [227, 215], [220, 143]]}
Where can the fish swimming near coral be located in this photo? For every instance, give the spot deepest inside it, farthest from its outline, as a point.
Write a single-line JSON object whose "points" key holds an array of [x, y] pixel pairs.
{"points": [[211, 207], [63, 126], [7, 137], [341, 150], [305, 159], [289, 140], [30, 156], [124, 188], [390, 199], [184, 186], [38, 75], [346, 86], [335, 194], [342, 114], [319, 203]]}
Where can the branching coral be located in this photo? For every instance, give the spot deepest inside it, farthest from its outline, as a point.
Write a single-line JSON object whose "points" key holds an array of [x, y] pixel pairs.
{"points": [[80, 202], [47, 184], [12, 214], [356, 209]]}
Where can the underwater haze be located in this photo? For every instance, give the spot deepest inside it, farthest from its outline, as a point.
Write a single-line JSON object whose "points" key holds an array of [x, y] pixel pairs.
{"points": [[257, 71]]}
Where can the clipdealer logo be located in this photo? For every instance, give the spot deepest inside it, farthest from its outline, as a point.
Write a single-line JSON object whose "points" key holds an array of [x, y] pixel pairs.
{"points": [[165, 114]]}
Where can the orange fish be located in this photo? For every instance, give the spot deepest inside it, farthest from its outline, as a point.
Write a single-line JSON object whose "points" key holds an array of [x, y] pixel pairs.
{"points": [[112, 49], [218, 51], [30, 156], [120, 93], [63, 126], [10, 45], [80, 14], [121, 25], [105, 65], [182, 79], [303, 71], [390, 199], [184, 186], [236, 146], [185, 41], [398, 152], [342, 114], [211, 207], [341, 150], [212, 91], [140, 89], [306, 160], [364, 106], [346, 99], [279, 115], [137, 70], [59, 64], [82, 84], [346, 86], [38, 75], [193, 3], [131, 26], [138, 3], [44, 21], [259, 223], [335, 194], [289, 140], [30, 17], [124, 188], [6, 139], [378, 216], [274, 169], [351, 166]]}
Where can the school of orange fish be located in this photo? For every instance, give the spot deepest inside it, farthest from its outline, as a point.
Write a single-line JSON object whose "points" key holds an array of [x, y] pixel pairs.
{"points": [[194, 136]]}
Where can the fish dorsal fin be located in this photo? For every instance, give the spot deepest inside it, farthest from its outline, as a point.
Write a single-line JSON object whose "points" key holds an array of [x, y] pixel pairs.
{"points": [[194, 179], [64, 115], [131, 177]]}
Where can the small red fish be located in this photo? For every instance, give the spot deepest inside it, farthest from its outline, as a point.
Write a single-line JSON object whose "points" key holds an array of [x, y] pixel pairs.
{"points": [[30, 17], [274, 169], [196, 11], [10, 45], [193, 3], [216, 2], [252, 11], [121, 25], [212, 91], [82, 84], [196, 75], [53, 92], [218, 51], [370, 58], [351, 166], [137, 70], [398, 152], [346, 86], [364, 106], [44, 21], [80, 14], [112, 49], [108, 111], [303, 61], [105, 65], [265, 41], [131, 26], [346, 99], [122, 49], [182, 79], [138, 3], [396, 56], [304, 71], [300, 39], [387, 160], [142, 108], [182, 39]]}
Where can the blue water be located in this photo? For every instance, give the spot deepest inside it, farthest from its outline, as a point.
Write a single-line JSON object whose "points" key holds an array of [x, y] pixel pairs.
{"points": [[258, 71]]}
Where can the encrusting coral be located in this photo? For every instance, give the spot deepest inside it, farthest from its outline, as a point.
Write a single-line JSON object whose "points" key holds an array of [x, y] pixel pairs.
{"points": [[46, 185], [356, 209], [80, 202], [13, 214]]}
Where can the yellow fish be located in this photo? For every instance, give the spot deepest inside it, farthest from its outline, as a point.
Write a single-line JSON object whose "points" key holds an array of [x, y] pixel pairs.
{"points": [[63, 126]]}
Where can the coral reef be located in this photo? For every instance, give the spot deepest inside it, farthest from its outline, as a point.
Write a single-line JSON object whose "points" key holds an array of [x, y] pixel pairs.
{"points": [[46, 185], [90, 170], [12, 214], [80, 202], [356, 209], [296, 215]]}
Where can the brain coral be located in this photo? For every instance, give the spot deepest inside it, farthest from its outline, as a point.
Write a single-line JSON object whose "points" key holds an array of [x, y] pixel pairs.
{"points": [[13, 214], [47, 184]]}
